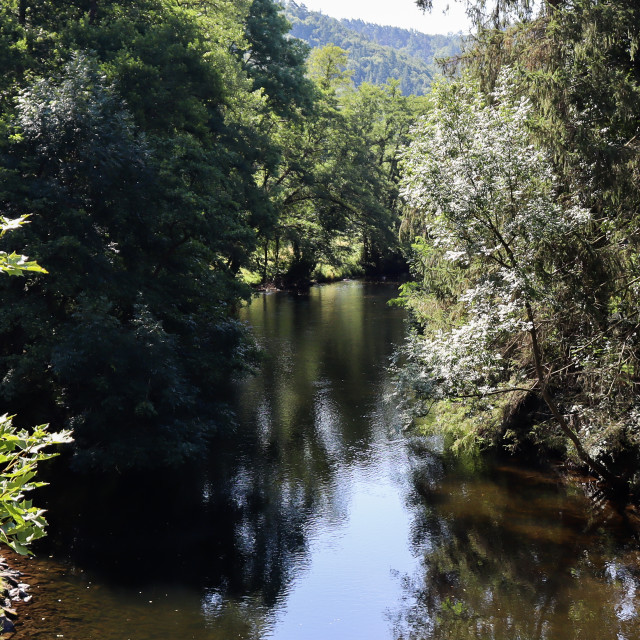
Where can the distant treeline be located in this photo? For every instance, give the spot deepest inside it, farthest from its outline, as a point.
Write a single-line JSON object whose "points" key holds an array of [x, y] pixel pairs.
{"points": [[376, 53]]}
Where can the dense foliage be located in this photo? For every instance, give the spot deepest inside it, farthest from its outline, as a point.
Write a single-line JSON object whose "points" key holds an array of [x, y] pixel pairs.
{"points": [[336, 186], [163, 150], [20, 450], [524, 193], [140, 208]]}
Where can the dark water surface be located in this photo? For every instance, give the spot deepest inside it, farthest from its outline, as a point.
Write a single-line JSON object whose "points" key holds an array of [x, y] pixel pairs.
{"points": [[318, 520]]}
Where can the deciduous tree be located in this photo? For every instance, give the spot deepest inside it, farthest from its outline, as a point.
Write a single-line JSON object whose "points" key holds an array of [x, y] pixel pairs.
{"points": [[489, 204]]}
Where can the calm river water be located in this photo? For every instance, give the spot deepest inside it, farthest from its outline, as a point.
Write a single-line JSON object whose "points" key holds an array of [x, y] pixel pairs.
{"points": [[319, 520]]}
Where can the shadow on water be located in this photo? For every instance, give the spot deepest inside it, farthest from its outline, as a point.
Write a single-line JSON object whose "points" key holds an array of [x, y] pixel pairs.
{"points": [[315, 520], [221, 542]]}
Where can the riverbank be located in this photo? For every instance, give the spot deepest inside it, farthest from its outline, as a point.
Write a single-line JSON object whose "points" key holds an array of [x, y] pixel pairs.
{"points": [[520, 425], [305, 286], [13, 591]]}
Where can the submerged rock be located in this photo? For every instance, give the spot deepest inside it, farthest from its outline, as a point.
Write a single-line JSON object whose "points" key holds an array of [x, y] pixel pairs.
{"points": [[6, 625], [14, 590]]}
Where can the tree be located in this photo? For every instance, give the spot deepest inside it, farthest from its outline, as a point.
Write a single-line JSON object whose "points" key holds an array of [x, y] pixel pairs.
{"points": [[488, 204], [275, 62], [577, 63], [143, 221], [328, 68]]}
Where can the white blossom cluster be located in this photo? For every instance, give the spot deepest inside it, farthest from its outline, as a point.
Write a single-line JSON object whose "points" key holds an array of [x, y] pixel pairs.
{"points": [[487, 200]]}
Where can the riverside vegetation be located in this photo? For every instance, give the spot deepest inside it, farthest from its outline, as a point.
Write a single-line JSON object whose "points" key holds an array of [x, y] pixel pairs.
{"points": [[522, 184], [170, 153], [167, 153], [20, 450]]}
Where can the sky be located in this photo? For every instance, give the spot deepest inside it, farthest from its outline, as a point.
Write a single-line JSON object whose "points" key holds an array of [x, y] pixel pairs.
{"points": [[397, 13]]}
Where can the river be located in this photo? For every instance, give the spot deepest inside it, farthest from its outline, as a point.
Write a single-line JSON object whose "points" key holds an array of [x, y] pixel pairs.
{"points": [[318, 519]]}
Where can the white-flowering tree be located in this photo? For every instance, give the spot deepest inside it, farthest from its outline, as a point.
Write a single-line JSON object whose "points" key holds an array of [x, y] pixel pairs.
{"points": [[494, 252]]}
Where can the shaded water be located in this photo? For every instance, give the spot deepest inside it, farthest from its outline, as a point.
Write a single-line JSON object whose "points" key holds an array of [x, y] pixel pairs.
{"points": [[317, 519]]}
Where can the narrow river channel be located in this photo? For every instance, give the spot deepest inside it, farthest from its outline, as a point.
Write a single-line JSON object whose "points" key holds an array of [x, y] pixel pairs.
{"points": [[317, 519]]}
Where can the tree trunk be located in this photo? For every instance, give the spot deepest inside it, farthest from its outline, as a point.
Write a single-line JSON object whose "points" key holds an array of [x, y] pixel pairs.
{"points": [[277, 257], [366, 254], [22, 12], [599, 469], [266, 262]]}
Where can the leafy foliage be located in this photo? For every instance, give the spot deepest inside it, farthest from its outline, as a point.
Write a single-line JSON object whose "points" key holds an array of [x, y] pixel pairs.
{"points": [[275, 61], [577, 63], [491, 207], [336, 181], [20, 452], [143, 218], [14, 264]]}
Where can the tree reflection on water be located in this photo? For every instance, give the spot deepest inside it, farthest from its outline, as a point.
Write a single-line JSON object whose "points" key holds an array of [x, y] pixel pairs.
{"points": [[217, 550], [514, 556]]}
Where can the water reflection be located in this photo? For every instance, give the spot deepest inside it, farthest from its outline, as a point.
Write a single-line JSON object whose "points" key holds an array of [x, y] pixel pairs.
{"points": [[314, 452], [315, 520], [515, 556], [297, 518]]}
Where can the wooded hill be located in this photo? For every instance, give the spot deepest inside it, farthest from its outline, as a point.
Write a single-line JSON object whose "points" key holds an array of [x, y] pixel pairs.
{"points": [[376, 53]]}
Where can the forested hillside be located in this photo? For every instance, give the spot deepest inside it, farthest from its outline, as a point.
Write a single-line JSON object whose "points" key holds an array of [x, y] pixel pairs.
{"points": [[427, 47], [376, 53]]}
